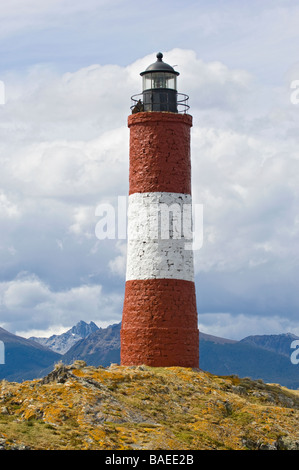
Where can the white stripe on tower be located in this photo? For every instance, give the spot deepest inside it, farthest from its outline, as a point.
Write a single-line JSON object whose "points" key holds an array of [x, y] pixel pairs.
{"points": [[159, 236]]}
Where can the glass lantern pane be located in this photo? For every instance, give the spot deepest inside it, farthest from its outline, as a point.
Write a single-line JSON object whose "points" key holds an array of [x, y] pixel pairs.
{"points": [[171, 81], [159, 80], [147, 81]]}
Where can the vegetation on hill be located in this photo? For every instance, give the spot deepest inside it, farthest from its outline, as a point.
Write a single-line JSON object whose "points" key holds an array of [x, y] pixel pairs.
{"points": [[80, 407]]}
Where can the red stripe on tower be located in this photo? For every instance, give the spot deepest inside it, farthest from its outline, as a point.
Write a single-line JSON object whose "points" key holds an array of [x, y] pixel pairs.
{"points": [[159, 323]]}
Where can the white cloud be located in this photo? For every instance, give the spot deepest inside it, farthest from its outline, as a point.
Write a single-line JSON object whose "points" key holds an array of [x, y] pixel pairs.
{"points": [[7, 207], [83, 222], [23, 293], [117, 265], [210, 84], [20, 15], [230, 326], [29, 303], [73, 169], [248, 186]]}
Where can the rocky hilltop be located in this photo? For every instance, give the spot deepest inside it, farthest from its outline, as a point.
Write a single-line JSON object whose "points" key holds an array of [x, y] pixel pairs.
{"points": [[114, 408]]}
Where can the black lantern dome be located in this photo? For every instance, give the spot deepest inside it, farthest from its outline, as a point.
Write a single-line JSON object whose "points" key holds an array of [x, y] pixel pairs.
{"points": [[159, 89], [159, 66]]}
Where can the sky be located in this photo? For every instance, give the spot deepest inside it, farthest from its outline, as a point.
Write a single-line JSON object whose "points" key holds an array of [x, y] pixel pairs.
{"points": [[69, 69]]}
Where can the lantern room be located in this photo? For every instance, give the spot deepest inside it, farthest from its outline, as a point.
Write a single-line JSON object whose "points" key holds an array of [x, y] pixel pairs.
{"points": [[159, 89]]}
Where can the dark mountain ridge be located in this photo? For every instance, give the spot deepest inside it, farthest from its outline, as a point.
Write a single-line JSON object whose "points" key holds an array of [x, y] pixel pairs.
{"points": [[265, 357], [24, 359], [276, 343], [250, 357]]}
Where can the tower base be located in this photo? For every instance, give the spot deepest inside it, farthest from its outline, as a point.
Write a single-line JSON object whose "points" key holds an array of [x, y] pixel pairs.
{"points": [[159, 326]]}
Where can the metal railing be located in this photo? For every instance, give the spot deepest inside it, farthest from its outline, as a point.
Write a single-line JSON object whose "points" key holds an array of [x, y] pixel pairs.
{"points": [[138, 105]]}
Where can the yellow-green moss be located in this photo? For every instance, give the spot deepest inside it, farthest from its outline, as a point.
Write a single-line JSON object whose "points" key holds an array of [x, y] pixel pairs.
{"points": [[84, 407]]}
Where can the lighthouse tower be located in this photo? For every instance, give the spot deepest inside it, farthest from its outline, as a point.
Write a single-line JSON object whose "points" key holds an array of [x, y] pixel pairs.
{"points": [[159, 323]]}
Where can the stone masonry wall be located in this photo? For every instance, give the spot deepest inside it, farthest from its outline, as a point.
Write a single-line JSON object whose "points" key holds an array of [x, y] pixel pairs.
{"points": [[160, 153], [159, 324], [159, 236]]}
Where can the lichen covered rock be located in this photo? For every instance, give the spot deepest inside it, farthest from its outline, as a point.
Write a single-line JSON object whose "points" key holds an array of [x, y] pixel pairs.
{"points": [[81, 407]]}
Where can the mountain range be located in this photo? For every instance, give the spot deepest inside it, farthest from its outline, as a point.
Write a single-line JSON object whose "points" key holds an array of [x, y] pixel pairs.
{"points": [[62, 343], [265, 357], [24, 359]]}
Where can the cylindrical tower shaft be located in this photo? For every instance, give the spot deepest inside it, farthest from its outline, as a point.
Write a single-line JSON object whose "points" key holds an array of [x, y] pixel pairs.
{"points": [[159, 324]]}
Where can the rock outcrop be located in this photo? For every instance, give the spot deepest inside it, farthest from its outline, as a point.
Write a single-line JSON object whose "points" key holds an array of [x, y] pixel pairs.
{"points": [[84, 407]]}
